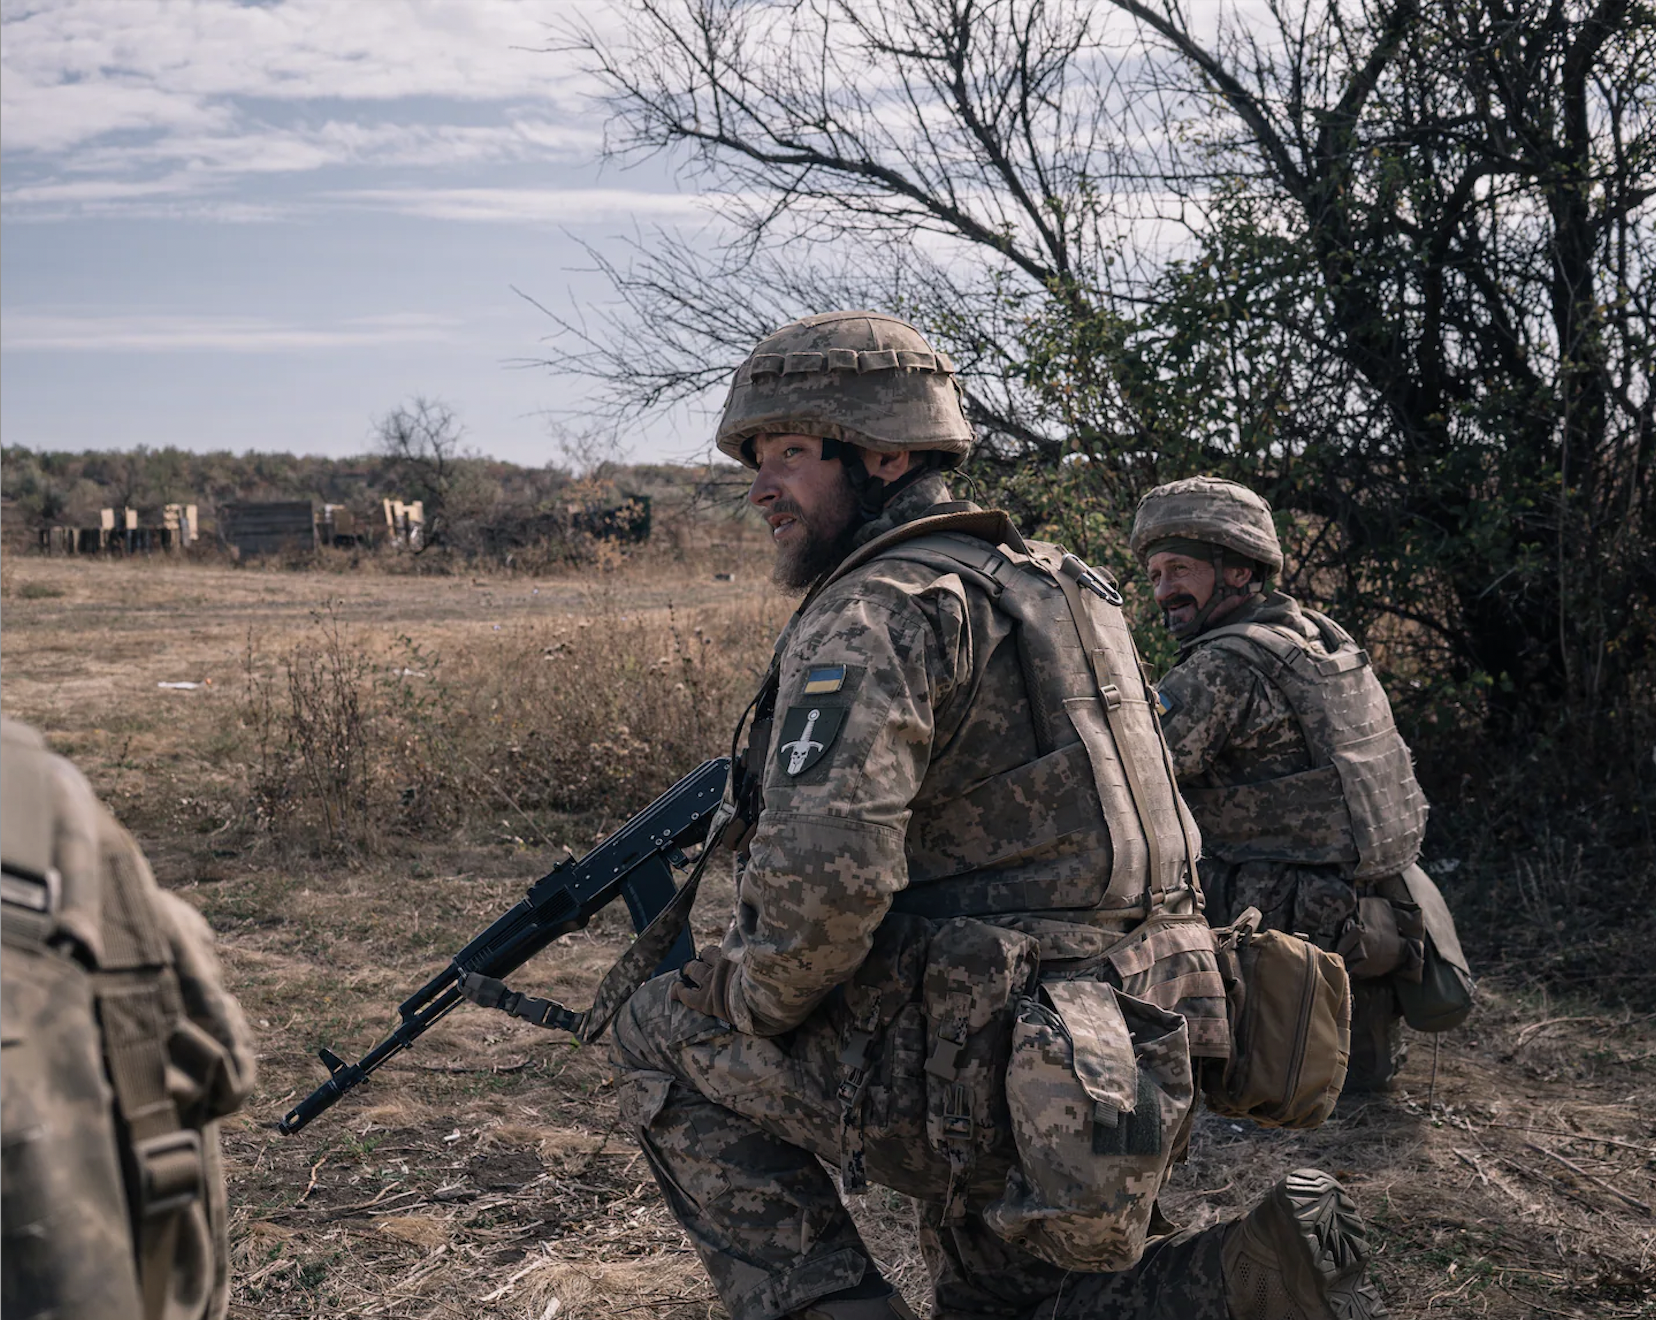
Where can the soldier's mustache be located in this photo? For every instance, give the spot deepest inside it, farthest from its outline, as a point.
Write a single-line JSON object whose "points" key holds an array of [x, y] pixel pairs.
{"points": [[1179, 602], [790, 508]]}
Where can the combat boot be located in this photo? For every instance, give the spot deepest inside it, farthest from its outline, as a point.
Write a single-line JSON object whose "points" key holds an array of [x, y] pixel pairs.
{"points": [[1300, 1254]]}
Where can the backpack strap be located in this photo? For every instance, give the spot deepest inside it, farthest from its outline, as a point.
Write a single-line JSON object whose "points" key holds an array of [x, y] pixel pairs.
{"points": [[139, 1006]]}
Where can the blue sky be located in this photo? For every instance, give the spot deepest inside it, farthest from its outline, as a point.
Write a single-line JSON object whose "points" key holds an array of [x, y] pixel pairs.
{"points": [[259, 225]]}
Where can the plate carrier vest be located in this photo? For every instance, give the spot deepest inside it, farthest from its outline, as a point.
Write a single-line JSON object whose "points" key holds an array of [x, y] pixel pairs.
{"points": [[1088, 698], [1360, 805]]}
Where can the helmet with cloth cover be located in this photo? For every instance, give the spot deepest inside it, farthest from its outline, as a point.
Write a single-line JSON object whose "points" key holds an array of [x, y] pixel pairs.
{"points": [[1213, 519], [1212, 511], [859, 378]]}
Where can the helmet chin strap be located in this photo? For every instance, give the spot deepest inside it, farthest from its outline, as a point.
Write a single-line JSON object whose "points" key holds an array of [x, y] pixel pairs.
{"points": [[1222, 591]]}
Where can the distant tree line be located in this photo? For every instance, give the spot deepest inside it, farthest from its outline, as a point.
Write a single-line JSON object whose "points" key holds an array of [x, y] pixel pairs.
{"points": [[64, 487], [475, 507]]}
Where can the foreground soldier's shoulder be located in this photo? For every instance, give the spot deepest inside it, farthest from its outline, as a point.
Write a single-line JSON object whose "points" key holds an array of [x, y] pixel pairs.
{"points": [[881, 589], [895, 577]]}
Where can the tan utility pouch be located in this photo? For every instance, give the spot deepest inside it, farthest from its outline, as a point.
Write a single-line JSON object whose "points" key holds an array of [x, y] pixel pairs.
{"points": [[974, 974], [1290, 1010], [1098, 1088]]}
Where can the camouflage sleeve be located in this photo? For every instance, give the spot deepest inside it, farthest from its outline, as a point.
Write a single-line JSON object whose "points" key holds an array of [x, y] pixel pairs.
{"points": [[1206, 699], [861, 678]]}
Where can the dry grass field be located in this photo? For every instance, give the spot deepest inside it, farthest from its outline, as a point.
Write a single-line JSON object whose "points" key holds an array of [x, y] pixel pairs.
{"points": [[491, 722]]}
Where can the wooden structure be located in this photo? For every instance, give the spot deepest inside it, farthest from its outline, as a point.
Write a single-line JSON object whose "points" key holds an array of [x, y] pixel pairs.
{"points": [[268, 528], [125, 533]]}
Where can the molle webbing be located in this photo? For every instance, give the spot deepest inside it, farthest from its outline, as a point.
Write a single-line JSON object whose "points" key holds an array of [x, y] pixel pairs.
{"points": [[1085, 691], [1359, 804]]}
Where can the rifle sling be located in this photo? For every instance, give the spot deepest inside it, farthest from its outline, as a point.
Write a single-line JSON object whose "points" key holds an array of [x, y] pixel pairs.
{"points": [[643, 956]]}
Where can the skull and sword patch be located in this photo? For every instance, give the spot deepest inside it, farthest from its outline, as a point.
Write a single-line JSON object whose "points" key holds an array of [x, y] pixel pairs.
{"points": [[808, 730]]}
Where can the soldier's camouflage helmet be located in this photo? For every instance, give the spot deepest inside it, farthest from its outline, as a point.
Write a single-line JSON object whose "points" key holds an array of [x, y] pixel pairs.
{"points": [[1212, 511], [864, 378]]}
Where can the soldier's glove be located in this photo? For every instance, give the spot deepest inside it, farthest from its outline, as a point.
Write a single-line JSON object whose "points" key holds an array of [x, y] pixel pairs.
{"points": [[704, 983]]}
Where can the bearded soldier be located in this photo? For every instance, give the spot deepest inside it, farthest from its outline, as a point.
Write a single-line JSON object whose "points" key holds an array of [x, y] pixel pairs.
{"points": [[968, 959], [1285, 750], [121, 1050]]}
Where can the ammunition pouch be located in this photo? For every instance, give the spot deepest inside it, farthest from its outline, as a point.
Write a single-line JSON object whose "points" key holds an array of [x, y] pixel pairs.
{"points": [[974, 975], [1441, 998], [1099, 1093]]}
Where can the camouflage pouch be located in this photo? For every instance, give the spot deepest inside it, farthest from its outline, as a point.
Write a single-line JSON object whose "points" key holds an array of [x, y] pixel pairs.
{"points": [[1170, 961], [974, 974], [1290, 1011], [1098, 1089]]}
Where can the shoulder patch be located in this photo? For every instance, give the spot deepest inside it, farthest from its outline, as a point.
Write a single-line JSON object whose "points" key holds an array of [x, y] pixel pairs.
{"points": [[823, 679], [807, 734], [1166, 703]]}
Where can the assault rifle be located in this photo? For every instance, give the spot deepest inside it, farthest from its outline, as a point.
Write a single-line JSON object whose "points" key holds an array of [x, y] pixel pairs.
{"points": [[635, 863]]}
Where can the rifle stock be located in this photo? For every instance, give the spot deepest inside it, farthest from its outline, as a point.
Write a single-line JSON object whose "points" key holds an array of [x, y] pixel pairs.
{"points": [[635, 864]]}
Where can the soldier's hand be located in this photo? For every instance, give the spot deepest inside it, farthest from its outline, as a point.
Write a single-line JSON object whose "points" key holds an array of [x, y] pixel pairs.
{"points": [[704, 983]]}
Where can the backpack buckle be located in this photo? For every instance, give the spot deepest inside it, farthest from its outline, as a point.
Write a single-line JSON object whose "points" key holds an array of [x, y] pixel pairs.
{"points": [[170, 1172]]}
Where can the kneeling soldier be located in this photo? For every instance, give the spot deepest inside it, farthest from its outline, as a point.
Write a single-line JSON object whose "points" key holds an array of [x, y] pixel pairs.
{"points": [[1286, 752], [968, 959]]}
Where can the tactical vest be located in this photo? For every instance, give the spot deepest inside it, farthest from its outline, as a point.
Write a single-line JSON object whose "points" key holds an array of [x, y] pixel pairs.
{"points": [[1090, 705], [119, 1053], [1359, 805]]}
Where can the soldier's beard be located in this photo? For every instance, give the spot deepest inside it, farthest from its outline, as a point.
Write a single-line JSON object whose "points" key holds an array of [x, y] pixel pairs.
{"points": [[1179, 603], [825, 541]]}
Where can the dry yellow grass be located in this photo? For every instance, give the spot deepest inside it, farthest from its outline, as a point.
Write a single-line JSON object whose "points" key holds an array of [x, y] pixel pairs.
{"points": [[483, 1176]]}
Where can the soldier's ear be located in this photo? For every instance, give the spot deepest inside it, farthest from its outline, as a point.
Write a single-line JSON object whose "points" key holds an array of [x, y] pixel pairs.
{"points": [[887, 467], [1238, 575]]}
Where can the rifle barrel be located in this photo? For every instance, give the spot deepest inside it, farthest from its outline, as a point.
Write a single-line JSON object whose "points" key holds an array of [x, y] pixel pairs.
{"points": [[563, 900]]}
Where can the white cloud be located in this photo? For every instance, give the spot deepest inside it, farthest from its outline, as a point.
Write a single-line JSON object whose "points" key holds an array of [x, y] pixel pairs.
{"points": [[190, 97], [26, 330], [75, 69], [559, 205]]}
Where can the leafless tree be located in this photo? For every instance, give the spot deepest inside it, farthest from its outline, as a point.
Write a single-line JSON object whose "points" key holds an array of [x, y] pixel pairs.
{"points": [[1386, 260], [422, 442]]}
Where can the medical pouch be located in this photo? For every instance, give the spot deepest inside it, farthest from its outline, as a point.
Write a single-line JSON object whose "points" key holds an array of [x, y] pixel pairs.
{"points": [[1098, 1089], [1290, 1013]]}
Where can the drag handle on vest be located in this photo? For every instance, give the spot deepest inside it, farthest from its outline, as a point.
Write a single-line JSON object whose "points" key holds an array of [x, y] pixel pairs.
{"points": [[634, 864]]}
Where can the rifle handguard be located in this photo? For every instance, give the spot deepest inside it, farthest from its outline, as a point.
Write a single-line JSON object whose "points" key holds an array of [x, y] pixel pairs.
{"points": [[488, 992]]}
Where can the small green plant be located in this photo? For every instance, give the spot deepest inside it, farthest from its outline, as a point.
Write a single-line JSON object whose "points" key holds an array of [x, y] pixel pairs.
{"points": [[40, 591]]}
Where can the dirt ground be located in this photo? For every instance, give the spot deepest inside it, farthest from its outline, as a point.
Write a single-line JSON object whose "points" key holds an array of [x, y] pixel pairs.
{"points": [[1513, 1174]]}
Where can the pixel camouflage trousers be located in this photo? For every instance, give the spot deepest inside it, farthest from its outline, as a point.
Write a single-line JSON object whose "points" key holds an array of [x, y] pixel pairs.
{"points": [[735, 1126]]}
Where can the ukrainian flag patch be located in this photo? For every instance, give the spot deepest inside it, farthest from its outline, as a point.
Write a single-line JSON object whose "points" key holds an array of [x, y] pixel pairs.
{"points": [[824, 679]]}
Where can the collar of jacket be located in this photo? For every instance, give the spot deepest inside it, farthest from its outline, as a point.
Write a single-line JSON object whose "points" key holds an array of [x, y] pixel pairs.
{"points": [[1275, 609], [921, 510], [907, 505]]}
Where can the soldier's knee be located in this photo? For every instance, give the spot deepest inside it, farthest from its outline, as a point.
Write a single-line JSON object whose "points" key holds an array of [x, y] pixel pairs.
{"points": [[638, 1037]]}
